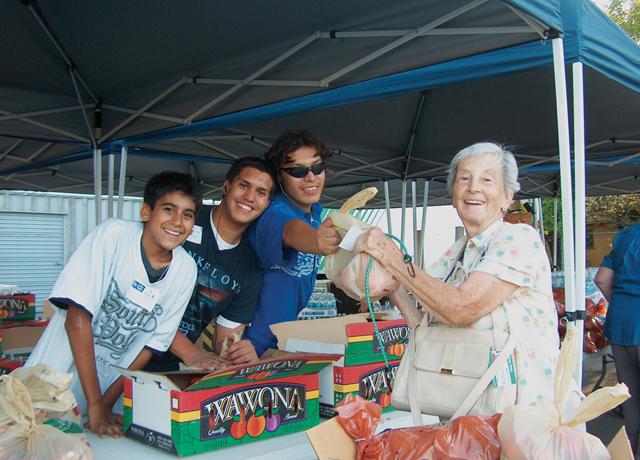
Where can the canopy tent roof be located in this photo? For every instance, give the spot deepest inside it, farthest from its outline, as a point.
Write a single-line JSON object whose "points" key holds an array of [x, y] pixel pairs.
{"points": [[394, 89]]}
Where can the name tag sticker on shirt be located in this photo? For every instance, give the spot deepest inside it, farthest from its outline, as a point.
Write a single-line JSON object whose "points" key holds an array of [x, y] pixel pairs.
{"points": [[349, 240], [143, 295], [505, 376], [196, 235]]}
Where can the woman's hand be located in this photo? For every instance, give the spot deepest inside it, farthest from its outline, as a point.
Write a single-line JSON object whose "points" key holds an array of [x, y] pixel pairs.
{"points": [[378, 245]]}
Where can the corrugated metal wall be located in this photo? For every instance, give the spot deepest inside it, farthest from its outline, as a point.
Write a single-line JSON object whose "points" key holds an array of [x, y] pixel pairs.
{"points": [[39, 232], [79, 211], [31, 251]]}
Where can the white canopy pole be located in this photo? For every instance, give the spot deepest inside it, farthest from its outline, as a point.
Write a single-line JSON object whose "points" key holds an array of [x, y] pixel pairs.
{"points": [[414, 204], [387, 204], [110, 186], [404, 208], [122, 179], [97, 183], [425, 201], [581, 219], [555, 232], [565, 183]]}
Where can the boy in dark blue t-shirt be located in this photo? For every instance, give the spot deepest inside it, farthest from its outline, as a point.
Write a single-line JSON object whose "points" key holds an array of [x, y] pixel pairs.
{"points": [[229, 276]]}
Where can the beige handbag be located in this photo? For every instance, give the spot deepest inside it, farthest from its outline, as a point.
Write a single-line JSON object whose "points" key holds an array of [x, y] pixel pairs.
{"points": [[453, 371], [448, 371]]}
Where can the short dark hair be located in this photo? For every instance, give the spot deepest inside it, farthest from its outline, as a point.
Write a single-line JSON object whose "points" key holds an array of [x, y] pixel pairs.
{"points": [[288, 142], [168, 182], [256, 163]]}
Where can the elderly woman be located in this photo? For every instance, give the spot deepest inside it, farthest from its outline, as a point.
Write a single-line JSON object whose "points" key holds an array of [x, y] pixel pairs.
{"points": [[497, 265]]}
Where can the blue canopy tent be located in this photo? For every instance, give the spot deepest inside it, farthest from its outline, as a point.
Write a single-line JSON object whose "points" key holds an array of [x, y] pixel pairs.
{"points": [[394, 89]]}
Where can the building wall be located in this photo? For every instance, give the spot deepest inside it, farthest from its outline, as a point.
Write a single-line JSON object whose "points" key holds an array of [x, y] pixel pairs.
{"points": [[78, 211], [599, 239]]}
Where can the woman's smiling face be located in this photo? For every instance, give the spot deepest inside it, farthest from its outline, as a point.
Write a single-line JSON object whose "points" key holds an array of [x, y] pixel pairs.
{"points": [[478, 192]]}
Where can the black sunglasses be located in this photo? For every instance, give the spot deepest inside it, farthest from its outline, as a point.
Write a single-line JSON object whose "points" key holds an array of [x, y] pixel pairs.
{"points": [[302, 171]]}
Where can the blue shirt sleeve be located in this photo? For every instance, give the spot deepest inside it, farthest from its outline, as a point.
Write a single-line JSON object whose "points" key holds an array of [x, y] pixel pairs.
{"points": [[610, 261], [265, 235]]}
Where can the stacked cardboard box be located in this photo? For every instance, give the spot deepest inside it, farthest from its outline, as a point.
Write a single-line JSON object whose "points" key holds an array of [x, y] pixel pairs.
{"points": [[362, 370], [186, 413], [18, 307]]}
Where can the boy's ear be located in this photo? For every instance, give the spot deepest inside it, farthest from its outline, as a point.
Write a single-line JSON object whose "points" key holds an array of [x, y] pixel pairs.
{"points": [[145, 212], [225, 186]]}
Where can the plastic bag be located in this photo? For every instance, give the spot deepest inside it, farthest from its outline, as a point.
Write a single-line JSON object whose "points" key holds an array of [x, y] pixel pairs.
{"points": [[21, 434], [347, 269], [541, 429], [466, 437]]}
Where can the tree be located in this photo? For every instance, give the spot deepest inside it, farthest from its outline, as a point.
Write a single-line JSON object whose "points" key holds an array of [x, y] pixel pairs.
{"points": [[627, 14]]}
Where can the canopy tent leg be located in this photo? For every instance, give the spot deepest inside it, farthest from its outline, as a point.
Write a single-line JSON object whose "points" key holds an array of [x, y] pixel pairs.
{"points": [[387, 205], [580, 187], [414, 205], [122, 179], [97, 183], [425, 202], [110, 185], [565, 186]]}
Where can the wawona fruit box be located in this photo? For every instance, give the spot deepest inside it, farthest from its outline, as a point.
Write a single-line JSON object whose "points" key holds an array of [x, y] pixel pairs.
{"points": [[354, 337], [371, 381], [185, 413]]}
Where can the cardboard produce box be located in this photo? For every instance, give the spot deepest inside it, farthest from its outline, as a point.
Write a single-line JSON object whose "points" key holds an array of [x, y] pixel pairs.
{"points": [[18, 307], [19, 338], [354, 337], [368, 381], [186, 413]]}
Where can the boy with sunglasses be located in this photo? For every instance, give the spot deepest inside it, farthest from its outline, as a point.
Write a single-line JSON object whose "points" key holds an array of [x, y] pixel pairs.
{"points": [[289, 237]]}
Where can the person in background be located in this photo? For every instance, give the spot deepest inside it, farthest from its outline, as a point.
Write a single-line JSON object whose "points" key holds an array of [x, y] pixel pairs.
{"points": [[289, 237], [120, 298], [497, 267], [619, 280], [229, 275]]}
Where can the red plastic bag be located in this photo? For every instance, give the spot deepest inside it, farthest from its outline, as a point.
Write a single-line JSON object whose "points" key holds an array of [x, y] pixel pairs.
{"points": [[467, 437]]}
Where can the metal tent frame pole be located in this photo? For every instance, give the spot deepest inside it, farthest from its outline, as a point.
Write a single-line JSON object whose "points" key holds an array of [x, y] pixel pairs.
{"points": [[425, 202], [97, 183], [122, 179], [414, 205], [110, 175], [404, 209], [564, 150], [580, 188], [387, 205]]}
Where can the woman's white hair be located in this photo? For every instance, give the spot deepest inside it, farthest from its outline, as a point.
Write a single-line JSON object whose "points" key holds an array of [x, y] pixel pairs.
{"points": [[506, 158]]}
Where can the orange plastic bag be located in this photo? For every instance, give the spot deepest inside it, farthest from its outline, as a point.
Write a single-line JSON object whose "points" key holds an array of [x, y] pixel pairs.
{"points": [[467, 437]]}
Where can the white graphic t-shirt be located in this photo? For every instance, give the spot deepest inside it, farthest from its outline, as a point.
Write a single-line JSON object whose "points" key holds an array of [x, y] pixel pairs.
{"points": [[106, 276]]}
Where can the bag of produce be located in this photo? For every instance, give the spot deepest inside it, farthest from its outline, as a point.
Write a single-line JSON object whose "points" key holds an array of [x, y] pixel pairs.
{"points": [[466, 437], [38, 417], [347, 269], [545, 430]]}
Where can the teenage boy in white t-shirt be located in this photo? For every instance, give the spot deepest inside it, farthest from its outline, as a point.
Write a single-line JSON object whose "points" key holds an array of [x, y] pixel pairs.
{"points": [[121, 296]]}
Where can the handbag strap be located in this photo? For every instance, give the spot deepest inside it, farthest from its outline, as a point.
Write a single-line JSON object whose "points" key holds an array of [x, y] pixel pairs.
{"points": [[486, 378], [412, 379]]}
